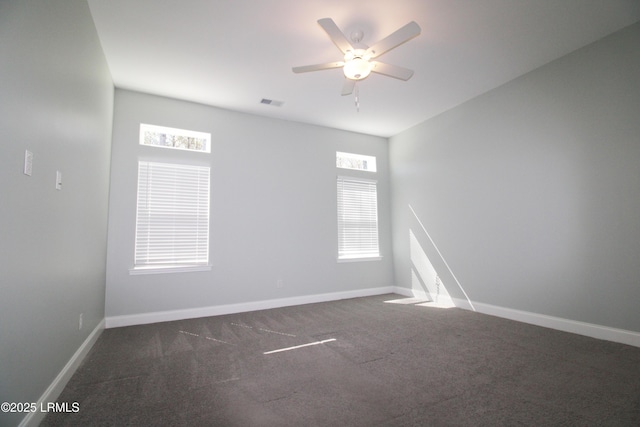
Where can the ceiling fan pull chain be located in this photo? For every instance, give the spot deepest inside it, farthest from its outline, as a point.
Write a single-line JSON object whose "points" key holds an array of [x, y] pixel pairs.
{"points": [[357, 96]]}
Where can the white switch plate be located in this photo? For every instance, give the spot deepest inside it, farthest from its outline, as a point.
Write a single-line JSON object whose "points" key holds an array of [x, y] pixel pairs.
{"points": [[28, 162], [58, 180]]}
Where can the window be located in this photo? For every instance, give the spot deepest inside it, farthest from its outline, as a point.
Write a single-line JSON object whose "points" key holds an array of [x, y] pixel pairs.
{"points": [[172, 218], [355, 161], [357, 219], [180, 139]]}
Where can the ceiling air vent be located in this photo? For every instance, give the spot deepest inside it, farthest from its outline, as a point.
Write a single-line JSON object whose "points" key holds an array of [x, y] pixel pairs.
{"points": [[271, 102]]}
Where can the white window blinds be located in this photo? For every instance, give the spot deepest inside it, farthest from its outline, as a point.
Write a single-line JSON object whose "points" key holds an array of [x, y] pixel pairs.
{"points": [[357, 218], [172, 220]]}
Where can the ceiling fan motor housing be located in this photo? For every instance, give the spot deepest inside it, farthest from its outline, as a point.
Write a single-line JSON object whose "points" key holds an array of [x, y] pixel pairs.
{"points": [[356, 64]]}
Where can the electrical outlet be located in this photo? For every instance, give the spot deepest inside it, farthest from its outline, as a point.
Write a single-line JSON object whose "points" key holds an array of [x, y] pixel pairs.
{"points": [[80, 322], [279, 283]]}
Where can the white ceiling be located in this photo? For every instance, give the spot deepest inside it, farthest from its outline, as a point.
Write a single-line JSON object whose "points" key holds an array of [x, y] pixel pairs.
{"points": [[233, 53]]}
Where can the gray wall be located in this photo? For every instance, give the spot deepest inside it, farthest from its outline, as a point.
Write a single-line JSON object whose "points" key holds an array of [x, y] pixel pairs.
{"points": [[273, 209], [56, 100], [531, 192]]}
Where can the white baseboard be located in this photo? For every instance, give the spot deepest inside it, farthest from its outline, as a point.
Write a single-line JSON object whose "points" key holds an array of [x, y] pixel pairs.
{"points": [[192, 313], [55, 388], [582, 328], [411, 293], [592, 330], [558, 323]]}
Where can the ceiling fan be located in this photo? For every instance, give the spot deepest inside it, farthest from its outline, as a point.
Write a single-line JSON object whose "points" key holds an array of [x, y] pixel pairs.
{"points": [[358, 62]]}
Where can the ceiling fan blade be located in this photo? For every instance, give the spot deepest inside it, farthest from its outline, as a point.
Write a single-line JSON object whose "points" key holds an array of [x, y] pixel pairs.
{"points": [[402, 35], [335, 34], [391, 70], [318, 67], [348, 86]]}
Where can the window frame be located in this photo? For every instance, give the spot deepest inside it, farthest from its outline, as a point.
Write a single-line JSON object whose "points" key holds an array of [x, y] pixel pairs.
{"points": [[144, 127], [198, 205], [343, 248], [372, 166]]}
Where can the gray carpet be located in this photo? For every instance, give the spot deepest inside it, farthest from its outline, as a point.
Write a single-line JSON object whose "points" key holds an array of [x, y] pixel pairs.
{"points": [[368, 363]]}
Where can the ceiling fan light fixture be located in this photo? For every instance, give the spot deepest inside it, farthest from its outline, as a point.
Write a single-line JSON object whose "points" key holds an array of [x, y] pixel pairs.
{"points": [[356, 65], [357, 68]]}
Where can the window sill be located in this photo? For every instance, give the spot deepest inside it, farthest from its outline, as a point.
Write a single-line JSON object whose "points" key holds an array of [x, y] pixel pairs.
{"points": [[166, 270], [359, 259]]}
